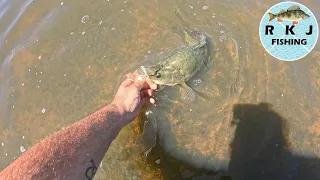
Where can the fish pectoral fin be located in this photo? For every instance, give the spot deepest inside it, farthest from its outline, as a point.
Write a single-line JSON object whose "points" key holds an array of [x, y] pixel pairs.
{"points": [[294, 7], [282, 11], [279, 20], [188, 95], [149, 135], [295, 22]]}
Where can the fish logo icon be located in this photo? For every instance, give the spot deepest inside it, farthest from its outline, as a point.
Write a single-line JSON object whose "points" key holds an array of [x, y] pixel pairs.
{"points": [[294, 14], [288, 31]]}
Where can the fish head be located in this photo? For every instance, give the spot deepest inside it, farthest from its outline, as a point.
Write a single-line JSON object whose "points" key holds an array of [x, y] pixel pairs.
{"points": [[304, 16], [158, 74]]}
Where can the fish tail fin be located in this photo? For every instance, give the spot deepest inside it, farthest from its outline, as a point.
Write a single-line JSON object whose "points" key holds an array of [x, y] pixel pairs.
{"points": [[271, 16]]}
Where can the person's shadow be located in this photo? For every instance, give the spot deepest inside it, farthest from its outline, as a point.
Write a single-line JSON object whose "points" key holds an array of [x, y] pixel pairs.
{"points": [[261, 147]]}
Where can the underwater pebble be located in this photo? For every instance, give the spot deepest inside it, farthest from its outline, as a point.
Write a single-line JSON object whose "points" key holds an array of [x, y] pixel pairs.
{"points": [[29, 70], [190, 110], [22, 84], [149, 52], [64, 74], [100, 22], [6, 154], [89, 66], [85, 19], [282, 95], [22, 149], [13, 107], [43, 110], [205, 7], [122, 10], [222, 38], [83, 32], [2, 144], [22, 137], [72, 33], [190, 6], [39, 57], [113, 28], [61, 3], [157, 161], [197, 81], [39, 81]]}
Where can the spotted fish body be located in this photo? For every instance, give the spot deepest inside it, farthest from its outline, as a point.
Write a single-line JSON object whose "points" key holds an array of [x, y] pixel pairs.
{"points": [[294, 13], [182, 65]]}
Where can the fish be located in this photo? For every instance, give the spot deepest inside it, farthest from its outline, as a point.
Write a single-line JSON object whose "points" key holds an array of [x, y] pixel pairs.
{"points": [[293, 13], [182, 65]]}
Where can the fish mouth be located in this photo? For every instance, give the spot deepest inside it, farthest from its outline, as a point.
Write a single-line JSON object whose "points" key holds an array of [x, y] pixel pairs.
{"points": [[143, 71]]}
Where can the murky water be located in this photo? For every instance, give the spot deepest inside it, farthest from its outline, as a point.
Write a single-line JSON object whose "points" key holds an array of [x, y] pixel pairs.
{"points": [[62, 60]]}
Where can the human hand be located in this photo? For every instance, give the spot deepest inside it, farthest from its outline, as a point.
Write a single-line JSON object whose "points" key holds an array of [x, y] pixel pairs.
{"points": [[132, 94]]}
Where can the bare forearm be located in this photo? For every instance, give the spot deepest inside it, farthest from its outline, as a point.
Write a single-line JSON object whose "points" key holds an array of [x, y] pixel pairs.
{"points": [[72, 153]]}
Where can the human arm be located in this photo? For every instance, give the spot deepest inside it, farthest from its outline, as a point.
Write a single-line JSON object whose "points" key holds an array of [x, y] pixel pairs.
{"points": [[76, 151]]}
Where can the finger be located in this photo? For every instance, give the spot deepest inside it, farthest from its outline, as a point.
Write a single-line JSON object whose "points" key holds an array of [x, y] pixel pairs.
{"points": [[139, 83], [149, 85], [149, 100], [154, 86], [133, 75], [127, 82], [146, 93]]}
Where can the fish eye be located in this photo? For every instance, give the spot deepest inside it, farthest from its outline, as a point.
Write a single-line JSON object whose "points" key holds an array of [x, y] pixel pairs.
{"points": [[158, 75]]}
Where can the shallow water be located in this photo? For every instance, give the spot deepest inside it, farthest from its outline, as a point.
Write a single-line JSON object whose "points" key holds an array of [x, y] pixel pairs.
{"points": [[62, 60]]}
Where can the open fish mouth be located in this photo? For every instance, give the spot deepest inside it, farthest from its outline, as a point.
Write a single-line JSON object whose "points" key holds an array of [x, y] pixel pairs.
{"points": [[142, 71]]}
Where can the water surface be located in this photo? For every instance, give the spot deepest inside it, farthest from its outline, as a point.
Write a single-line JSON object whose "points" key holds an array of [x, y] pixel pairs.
{"points": [[62, 60]]}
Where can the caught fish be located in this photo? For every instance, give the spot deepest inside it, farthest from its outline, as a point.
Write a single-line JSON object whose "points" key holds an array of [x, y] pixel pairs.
{"points": [[182, 65], [294, 14], [174, 69]]}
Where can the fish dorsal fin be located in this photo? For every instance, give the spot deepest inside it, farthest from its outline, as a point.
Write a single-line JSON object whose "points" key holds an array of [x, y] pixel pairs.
{"points": [[192, 42], [282, 11], [294, 7], [188, 39]]}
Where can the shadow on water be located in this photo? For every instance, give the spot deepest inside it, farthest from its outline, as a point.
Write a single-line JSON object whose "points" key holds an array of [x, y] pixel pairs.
{"points": [[261, 147], [260, 150]]}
